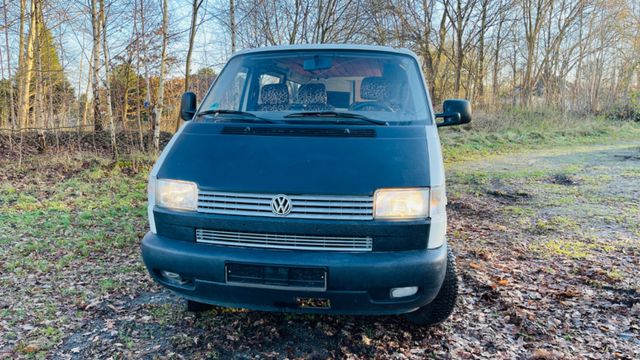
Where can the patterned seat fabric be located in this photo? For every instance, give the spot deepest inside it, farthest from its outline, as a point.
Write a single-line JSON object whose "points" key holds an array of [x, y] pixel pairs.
{"points": [[314, 97], [377, 90], [275, 97]]}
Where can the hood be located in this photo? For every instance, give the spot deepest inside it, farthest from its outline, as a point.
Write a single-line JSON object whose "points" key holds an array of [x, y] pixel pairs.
{"points": [[298, 159]]}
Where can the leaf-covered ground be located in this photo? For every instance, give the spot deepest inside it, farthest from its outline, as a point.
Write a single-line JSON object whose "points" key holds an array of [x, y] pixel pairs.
{"points": [[547, 242]]}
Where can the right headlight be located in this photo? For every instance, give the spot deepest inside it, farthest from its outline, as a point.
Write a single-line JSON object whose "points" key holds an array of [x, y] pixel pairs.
{"points": [[409, 203], [401, 204], [177, 194]]}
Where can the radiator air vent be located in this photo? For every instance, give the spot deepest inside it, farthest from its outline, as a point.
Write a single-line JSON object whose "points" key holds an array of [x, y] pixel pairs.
{"points": [[287, 131]]}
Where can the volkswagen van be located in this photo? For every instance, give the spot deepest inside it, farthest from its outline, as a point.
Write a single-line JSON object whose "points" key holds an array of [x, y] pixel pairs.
{"points": [[308, 179]]}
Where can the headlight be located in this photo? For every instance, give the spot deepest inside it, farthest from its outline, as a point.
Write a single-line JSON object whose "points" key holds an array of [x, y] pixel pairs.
{"points": [[176, 194], [401, 204]]}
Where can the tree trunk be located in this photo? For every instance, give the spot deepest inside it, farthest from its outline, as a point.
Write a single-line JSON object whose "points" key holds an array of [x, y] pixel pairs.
{"points": [[107, 79], [146, 67], [95, 74], [138, 111], [21, 60], [12, 115], [125, 101], [85, 111], [25, 93], [163, 59], [192, 35], [496, 63], [232, 23], [80, 83], [480, 73]]}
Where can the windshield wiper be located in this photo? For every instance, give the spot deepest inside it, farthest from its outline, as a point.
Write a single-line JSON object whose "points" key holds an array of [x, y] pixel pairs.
{"points": [[337, 115], [246, 116]]}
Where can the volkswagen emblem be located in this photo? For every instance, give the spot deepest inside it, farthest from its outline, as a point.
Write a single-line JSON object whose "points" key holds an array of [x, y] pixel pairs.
{"points": [[281, 205]]}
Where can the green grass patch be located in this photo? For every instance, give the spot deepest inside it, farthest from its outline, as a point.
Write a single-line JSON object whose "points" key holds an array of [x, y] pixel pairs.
{"points": [[522, 130], [555, 224], [568, 248]]}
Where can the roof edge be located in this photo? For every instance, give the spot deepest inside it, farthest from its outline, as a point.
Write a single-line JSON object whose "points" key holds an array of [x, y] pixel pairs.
{"points": [[387, 49]]}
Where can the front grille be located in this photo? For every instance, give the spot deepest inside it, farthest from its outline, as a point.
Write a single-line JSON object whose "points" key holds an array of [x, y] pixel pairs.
{"points": [[302, 206], [282, 241]]}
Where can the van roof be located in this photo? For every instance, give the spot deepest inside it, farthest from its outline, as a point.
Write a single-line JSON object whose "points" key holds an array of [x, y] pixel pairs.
{"points": [[327, 47]]}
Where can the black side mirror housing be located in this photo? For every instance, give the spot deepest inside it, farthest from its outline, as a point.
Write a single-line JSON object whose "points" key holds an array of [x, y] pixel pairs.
{"points": [[455, 112], [188, 106]]}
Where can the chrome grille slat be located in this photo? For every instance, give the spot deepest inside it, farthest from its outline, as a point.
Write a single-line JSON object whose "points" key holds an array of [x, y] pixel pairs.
{"points": [[284, 241], [236, 206], [324, 207], [217, 199]]}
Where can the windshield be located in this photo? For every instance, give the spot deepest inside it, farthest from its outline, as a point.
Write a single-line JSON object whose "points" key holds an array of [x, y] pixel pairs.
{"points": [[301, 84]]}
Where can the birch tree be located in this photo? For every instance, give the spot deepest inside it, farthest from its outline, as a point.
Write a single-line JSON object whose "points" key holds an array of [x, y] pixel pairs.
{"points": [[163, 59]]}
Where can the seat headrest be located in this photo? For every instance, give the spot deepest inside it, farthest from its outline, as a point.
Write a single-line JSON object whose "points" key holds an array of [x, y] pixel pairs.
{"points": [[312, 94], [274, 94], [375, 88]]}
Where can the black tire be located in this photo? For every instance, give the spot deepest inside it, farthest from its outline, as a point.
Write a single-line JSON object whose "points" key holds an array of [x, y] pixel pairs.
{"points": [[442, 306], [196, 307]]}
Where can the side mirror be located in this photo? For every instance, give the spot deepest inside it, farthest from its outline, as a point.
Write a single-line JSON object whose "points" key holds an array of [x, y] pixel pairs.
{"points": [[455, 112], [188, 106]]}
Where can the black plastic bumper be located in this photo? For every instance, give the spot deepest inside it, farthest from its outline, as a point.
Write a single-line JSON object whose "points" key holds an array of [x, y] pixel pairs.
{"points": [[357, 283]]}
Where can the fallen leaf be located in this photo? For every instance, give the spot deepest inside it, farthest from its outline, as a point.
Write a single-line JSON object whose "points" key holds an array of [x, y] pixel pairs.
{"points": [[366, 340], [31, 348]]}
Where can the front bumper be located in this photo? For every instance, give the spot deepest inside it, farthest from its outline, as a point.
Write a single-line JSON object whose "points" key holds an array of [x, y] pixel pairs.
{"points": [[357, 283]]}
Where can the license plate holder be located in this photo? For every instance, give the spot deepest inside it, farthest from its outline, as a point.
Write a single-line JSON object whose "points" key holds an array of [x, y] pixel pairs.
{"points": [[276, 276]]}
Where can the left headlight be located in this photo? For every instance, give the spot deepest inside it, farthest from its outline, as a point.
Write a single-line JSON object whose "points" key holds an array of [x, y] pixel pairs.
{"points": [[401, 204], [177, 194]]}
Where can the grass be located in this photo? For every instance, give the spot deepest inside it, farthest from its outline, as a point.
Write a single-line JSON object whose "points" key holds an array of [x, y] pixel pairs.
{"points": [[68, 220], [521, 130], [568, 248], [568, 198]]}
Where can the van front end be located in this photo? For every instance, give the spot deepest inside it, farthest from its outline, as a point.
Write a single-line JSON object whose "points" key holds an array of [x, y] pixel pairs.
{"points": [[310, 179], [397, 274]]}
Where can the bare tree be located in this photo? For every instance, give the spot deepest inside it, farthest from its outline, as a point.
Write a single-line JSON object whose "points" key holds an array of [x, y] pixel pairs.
{"points": [[27, 65], [534, 16], [95, 68], [163, 60], [579, 55], [107, 77], [12, 115], [192, 34]]}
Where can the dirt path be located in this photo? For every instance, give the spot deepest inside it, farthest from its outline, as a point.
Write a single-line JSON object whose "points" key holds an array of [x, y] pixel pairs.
{"points": [[548, 251]]}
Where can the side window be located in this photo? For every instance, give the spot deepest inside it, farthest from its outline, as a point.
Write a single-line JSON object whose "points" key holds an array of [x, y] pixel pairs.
{"points": [[232, 97], [268, 79]]}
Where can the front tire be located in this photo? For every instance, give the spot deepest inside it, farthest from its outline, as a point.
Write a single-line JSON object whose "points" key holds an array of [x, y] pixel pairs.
{"points": [[442, 306]]}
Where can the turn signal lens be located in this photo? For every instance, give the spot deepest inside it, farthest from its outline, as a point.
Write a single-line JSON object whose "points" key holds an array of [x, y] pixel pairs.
{"points": [[438, 202]]}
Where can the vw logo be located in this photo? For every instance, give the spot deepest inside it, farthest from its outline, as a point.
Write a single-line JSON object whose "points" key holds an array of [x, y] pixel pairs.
{"points": [[281, 205]]}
